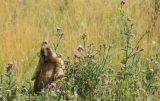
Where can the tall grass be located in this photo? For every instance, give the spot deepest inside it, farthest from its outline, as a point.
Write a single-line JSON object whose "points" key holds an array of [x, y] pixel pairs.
{"points": [[132, 27]]}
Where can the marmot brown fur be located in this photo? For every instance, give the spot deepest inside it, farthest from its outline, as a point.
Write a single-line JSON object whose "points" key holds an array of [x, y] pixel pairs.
{"points": [[49, 67]]}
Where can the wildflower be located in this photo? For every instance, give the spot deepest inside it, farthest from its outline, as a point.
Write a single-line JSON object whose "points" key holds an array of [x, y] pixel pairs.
{"points": [[45, 42], [123, 2], [66, 61], [90, 45], [76, 56], [80, 48], [53, 85]]}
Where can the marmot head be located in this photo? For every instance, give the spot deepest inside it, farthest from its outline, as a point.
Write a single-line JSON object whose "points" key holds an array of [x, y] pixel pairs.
{"points": [[47, 54]]}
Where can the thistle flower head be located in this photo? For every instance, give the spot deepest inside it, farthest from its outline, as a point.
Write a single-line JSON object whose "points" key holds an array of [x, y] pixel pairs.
{"points": [[45, 42], [90, 45], [80, 48], [123, 2], [76, 56], [53, 85], [66, 61]]}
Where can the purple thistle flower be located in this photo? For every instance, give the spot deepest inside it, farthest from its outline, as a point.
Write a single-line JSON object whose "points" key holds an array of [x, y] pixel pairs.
{"points": [[90, 45], [76, 56], [80, 48], [66, 61], [45, 42], [123, 2], [53, 85]]}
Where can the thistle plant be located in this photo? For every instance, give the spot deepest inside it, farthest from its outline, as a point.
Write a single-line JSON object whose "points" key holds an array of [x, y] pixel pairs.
{"points": [[86, 69], [130, 71], [59, 36], [10, 83]]}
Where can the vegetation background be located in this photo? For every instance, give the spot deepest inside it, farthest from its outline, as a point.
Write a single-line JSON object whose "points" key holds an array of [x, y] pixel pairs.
{"points": [[24, 24]]}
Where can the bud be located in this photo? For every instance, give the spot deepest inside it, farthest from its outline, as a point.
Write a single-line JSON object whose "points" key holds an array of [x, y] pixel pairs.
{"points": [[59, 29]]}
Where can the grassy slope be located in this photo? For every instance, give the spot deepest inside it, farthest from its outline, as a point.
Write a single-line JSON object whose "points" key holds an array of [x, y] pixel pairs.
{"points": [[23, 27]]}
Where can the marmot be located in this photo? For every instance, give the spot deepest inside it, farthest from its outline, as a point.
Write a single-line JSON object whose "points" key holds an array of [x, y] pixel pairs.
{"points": [[50, 66]]}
